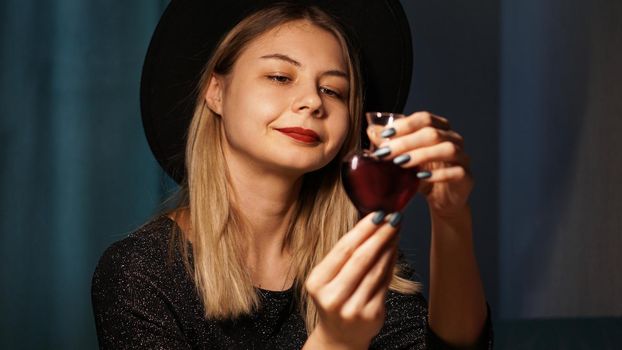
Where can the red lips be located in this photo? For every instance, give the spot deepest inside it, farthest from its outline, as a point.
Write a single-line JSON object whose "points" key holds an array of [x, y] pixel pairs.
{"points": [[301, 134]]}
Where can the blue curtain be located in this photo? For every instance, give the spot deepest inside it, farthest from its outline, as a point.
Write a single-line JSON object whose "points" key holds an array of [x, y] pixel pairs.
{"points": [[76, 172], [561, 159]]}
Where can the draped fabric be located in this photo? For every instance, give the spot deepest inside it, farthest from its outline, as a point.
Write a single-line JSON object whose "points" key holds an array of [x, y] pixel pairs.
{"points": [[536, 89], [561, 159], [76, 172]]}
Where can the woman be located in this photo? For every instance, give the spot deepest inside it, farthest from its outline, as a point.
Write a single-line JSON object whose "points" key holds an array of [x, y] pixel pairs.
{"points": [[264, 249]]}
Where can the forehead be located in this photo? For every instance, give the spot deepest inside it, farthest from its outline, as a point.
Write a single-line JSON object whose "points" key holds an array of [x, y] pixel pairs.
{"points": [[303, 41]]}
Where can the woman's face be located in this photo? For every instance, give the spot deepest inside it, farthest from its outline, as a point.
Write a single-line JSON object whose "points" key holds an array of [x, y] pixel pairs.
{"points": [[284, 105]]}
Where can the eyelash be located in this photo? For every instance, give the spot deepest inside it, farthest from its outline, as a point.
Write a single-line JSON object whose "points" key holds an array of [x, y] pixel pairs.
{"points": [[282, 79], [277, 78], [330, 92]]}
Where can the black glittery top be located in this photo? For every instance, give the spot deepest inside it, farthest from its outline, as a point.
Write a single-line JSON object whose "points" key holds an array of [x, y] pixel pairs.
{"points": [[141, 301]]}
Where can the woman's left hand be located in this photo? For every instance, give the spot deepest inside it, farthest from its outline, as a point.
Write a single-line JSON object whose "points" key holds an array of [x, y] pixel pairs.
{"points": [[426, 141]]}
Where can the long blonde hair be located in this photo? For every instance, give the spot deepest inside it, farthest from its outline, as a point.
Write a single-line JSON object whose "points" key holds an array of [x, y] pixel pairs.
{"points": [[322, 214]]}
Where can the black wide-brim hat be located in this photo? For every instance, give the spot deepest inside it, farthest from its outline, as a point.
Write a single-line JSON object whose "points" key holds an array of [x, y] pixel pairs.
{"points": [[189, 30]]}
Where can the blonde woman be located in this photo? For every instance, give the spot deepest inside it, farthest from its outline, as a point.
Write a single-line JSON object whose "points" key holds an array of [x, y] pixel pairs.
{"points": [[264, 249]]}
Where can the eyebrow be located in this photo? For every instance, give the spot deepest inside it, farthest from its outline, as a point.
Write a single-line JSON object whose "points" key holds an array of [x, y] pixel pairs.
{"points": [[278, 56]]}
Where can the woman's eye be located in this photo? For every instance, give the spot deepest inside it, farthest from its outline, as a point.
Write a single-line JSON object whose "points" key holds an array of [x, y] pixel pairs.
{"points": [[329, 92], [279, 78]]}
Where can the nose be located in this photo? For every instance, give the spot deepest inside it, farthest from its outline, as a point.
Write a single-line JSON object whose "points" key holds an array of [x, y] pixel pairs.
{"points": [[308, 100]]}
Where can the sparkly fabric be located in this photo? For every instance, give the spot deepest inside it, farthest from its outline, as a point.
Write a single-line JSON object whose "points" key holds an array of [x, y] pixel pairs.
{"points": [[141, 301]]}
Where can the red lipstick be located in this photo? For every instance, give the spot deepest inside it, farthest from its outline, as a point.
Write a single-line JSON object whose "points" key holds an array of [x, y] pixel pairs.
{"points": [[301, 134]]}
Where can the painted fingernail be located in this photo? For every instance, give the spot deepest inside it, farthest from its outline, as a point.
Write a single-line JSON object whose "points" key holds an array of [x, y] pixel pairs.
{"points": [[401, 159], [395, 219], [382, 152], [388, 133], [378, 217], [424, 175]]}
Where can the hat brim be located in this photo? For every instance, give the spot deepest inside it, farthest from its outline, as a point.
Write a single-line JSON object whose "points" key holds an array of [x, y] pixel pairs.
{"points": [[189, 30]]}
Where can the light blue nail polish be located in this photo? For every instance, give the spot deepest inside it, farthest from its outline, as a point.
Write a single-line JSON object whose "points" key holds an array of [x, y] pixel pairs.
{"points": [[395, 219], [382, 152], [388, 133], [404, 158], [378, 217], [424, 175]]}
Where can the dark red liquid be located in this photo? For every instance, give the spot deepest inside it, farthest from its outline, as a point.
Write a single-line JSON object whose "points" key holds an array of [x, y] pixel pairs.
{"points": [[374, 184]]}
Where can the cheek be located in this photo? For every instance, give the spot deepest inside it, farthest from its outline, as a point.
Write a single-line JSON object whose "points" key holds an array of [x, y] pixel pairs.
{"points": [[247, 115], [339, 128]]}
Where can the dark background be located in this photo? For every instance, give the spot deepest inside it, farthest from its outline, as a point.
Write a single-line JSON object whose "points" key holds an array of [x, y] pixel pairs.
{"points": [[534, 86]]}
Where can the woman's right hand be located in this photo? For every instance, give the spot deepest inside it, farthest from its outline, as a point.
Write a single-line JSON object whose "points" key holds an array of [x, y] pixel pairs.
{"points": [[349, 285]]}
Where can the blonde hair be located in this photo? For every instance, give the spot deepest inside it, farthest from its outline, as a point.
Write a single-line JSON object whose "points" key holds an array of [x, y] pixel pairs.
{"points": [[322, 214]]}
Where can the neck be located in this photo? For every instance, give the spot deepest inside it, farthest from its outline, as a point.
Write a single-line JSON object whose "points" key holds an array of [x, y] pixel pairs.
{"points": [[266, 198], [267, 203]]}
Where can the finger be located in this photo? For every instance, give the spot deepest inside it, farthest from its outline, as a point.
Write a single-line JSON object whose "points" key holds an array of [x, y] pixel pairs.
{"points": [[374, 133], [419, 120], [374, 308], [341, 287], [373, 280], [388, 276], [427, 136], [442, 152], [449, 174], [343, 249], [405, 126]]}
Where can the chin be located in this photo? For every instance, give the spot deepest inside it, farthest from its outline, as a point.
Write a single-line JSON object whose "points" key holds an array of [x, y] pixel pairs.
{"points": [[301, 167], [295, 161], [300, 170]]}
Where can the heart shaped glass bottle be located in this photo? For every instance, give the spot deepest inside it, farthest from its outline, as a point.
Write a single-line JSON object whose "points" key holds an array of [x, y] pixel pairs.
{"points": [[375, 184]]}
